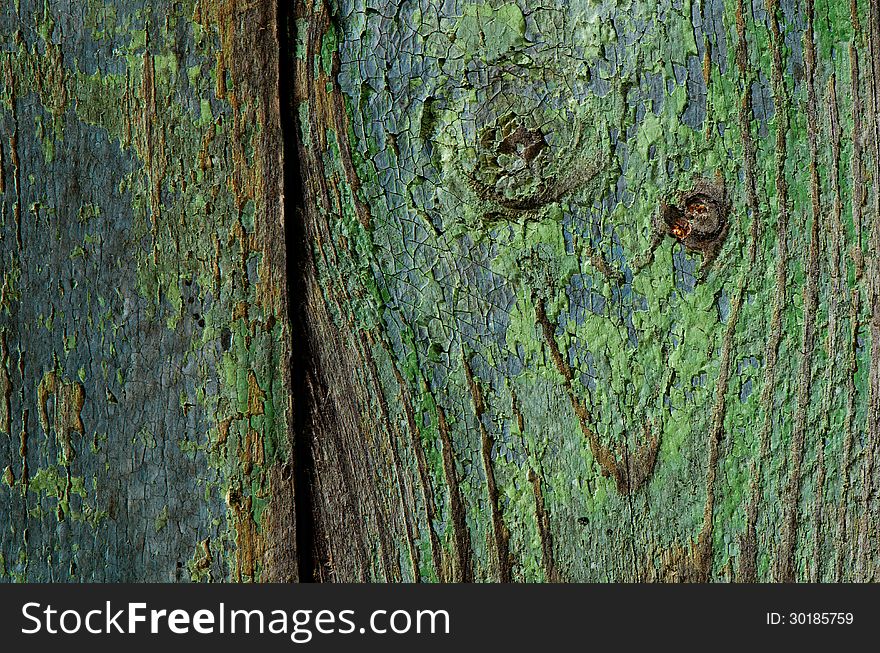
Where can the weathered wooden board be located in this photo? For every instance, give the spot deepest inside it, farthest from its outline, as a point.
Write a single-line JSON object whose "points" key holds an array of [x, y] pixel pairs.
{"points": [[580, 291], [524, 362], [144, 391]]}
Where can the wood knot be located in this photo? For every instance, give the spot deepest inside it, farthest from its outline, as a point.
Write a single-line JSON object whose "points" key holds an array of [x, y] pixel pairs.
{"points": [[511, 137], [517, 169], [698, 218], [524, 136]]}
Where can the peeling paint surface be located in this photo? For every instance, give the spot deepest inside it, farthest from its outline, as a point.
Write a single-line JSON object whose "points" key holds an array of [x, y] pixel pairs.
{"points": [[570, 392], [142, 307], [513, 356]]}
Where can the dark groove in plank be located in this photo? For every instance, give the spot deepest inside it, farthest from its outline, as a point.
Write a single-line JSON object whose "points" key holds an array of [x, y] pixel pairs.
{"points": [[785, 563], [422, 465], [393, 436], [500, 536], [771, 354], [300, 355], [633, 471]]}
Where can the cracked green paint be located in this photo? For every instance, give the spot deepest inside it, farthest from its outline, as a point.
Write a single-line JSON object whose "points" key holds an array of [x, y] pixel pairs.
{"points": [[667, 94], [140, 77]]}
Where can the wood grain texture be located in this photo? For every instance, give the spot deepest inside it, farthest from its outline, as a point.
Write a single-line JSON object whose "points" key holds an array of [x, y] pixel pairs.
{"points": [[145, 431], [416, 291], [546, 386]]}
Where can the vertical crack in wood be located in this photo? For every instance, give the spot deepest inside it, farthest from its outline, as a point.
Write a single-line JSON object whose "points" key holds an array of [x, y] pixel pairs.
{"points": [[297, 256], [634, 470]]}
